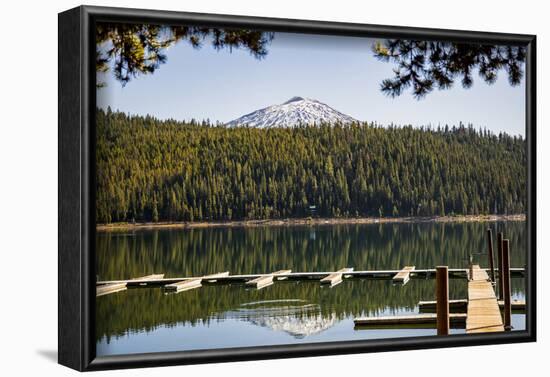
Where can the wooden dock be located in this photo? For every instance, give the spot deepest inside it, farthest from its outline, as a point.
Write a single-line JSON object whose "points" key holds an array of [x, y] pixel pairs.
{"points": [[182, 286], [483, 309], [457, 320], [335, 278], [213, 278], [145, 280], [454, 273], [403, 276], [266, 280], [481, 312], [105, 289], [189, 284], [108, 288], [461, 305]]}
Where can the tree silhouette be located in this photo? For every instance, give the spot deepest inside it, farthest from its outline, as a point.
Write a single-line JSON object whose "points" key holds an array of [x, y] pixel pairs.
{"points": [[138, 49], [425, 65], [135, 49]]}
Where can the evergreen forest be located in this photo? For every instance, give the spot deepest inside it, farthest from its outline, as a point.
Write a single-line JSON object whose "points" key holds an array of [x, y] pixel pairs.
{"points": [[151, 170]]}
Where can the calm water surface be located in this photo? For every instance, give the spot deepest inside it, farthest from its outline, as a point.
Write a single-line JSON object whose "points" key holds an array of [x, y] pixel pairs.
{"points": [[147, 320]]}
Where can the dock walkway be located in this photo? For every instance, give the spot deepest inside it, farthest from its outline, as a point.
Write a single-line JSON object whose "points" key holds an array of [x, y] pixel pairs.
{"points": [[483, 310]]}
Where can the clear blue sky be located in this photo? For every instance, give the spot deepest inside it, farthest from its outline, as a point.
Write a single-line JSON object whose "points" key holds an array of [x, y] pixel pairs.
{"points": [[339, 71]]}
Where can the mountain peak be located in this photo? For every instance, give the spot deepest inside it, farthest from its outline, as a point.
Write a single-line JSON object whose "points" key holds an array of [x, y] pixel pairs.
{"points": [[295, 111]]}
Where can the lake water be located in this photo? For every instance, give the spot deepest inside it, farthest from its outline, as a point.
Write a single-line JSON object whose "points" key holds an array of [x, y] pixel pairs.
{"points": [[221, 316]]}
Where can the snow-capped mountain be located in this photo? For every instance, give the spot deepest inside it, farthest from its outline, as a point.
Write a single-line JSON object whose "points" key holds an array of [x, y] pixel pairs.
{"points": [[293, 112]]}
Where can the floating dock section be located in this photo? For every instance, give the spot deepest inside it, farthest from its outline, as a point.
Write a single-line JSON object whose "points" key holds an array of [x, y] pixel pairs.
{"points": [[481, 312], [336, 277], [188, 284], [108, 288], [266, 280], [462, 305], [457, 320], [403, 276]]}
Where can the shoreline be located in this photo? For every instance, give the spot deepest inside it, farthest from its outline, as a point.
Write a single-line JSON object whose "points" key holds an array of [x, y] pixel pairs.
{"points": [[309, 221]]}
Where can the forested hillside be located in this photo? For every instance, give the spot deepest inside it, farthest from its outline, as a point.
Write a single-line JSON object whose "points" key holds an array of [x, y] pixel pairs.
{"points": [[152, 170]]}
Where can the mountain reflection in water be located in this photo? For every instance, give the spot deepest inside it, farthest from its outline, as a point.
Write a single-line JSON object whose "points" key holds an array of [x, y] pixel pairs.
{"points": [[278, 315]]}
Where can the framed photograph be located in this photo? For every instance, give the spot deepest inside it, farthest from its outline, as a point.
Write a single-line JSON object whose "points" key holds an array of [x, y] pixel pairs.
{"points": [[239, 188]]}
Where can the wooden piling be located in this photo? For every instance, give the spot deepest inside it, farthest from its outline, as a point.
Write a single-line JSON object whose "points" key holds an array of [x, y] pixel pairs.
{"points": [[490, 253], [507, 286], [499, 254], [442, 299]]}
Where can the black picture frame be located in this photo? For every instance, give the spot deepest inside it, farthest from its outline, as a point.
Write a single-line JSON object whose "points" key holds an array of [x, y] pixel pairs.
{"points": [[76, 163]]}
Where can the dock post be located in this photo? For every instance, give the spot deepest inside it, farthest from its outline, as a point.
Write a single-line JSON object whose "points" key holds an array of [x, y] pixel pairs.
{"points": [[442, 299], [500, 269], [490, 253], [507, 286]]}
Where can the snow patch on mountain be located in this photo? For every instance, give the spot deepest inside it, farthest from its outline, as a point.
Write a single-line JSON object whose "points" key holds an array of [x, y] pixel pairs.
{"points": [[295, 111]]}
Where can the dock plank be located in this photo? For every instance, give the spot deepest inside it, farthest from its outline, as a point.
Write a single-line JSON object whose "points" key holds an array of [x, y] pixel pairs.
{"points": [[454, 306], [462, 304], [144, 280], [212, 278], [183, 286], [266, 280], [483, 309], [456, 319], [186, 285], [402, 277], [336, 277], [517, 305], [105, 289]]}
